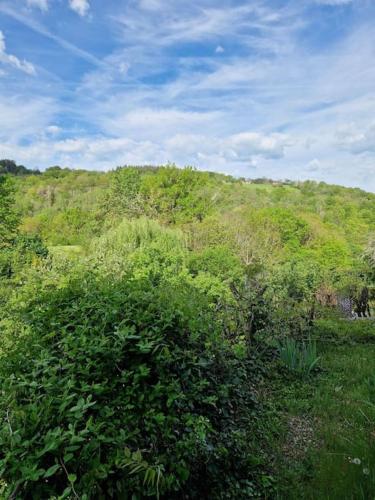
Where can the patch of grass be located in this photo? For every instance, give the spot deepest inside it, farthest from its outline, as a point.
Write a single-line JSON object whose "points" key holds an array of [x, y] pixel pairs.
{"points": [[344, 330], [340, 404], [344, 468]]}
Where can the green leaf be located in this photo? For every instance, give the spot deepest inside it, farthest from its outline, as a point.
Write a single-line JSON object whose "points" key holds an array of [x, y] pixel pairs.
{"points": [[51, 471], [67, 457], [66, 492]]}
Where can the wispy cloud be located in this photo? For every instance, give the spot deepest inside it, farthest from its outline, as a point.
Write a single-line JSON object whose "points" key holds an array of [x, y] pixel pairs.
{"points": [[42, 30], [81, 7], [22, 120], [194, 21], [12, 60], [357, 139]]}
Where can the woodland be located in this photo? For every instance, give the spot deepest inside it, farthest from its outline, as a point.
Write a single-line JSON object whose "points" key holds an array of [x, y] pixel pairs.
{"points": [[177, 334]]}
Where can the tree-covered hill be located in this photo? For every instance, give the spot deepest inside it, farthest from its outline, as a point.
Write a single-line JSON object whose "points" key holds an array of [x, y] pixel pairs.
{"points": [[332, 224]]}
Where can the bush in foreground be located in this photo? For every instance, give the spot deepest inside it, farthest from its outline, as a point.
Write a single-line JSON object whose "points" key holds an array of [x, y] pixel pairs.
{"points": [[124, 387]]}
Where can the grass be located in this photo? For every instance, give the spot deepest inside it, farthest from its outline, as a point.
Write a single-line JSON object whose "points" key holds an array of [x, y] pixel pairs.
{"points": [[340, 404], [346, 331]]}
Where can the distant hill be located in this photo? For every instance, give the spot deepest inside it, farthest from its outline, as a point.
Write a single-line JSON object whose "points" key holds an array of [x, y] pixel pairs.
{"points": [[260, 219]]}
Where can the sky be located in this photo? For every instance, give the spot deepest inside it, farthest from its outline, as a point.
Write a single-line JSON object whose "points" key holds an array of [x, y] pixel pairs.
{"points": [[261, 88]]}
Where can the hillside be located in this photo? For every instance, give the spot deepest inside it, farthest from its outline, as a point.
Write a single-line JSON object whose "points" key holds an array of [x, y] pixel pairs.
{"points": [[169, 333], [78, 204]]}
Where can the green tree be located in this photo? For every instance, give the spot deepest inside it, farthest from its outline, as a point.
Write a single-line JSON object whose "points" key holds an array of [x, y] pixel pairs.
{"points": [[10, 167], [124, 196], [176, 195], [293, 230], [8, 217]]}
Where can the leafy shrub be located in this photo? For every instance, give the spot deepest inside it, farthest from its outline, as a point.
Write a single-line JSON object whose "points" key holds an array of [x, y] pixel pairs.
{"points": [[121, 385], [26, 250]]}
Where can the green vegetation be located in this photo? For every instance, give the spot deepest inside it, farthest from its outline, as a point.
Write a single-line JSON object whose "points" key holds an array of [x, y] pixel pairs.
{"points": [[160, 329], [8, 216], [300, 358], [338, 409], [10, 167]]}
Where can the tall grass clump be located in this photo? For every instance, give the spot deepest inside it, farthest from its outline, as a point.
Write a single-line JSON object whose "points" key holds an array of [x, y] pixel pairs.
{"points": [[300, 358]]}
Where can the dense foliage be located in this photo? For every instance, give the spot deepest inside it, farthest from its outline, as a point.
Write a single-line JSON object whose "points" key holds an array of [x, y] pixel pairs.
{"points": [[123, 376], [137, 310], [8, 216]]}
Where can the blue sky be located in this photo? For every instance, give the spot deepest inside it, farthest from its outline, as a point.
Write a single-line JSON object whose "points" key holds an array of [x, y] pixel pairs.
{"points": [[283, 89]]}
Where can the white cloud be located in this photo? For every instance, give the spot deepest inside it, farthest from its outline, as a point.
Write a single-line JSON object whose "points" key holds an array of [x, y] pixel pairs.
{"points": [[357, 139], [242, 151], [80, 6], [53, 130], [12, 60], [245, 149], [219, 49], [238, 148], [70, 146], [242, 102], [41, 4], [94, 152], [24, 118], [120, 116], [243, 146], [195, 21]]}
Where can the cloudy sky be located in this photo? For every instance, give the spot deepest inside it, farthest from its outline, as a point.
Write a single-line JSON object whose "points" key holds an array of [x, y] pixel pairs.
{"points": [[283, 89]]}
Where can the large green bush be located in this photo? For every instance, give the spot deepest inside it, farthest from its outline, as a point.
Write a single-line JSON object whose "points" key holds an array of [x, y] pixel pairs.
{"points": [[120, 385]]}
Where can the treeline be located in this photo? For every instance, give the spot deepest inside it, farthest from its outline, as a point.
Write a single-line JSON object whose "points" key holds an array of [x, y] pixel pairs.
{"points": [[10, 167]]}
